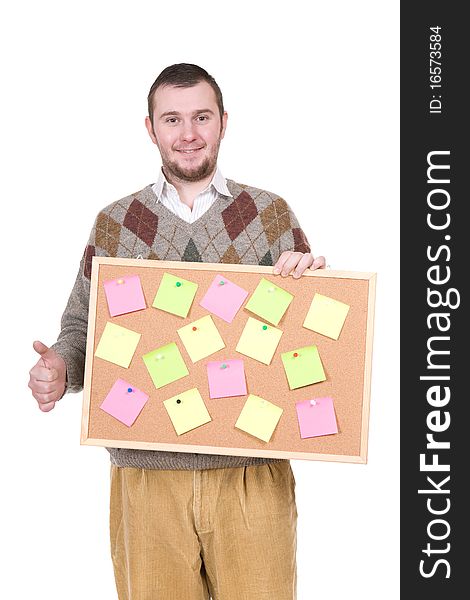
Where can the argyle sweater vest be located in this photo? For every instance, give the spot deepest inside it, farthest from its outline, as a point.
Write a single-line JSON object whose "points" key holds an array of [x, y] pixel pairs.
{"points": [[253, 227]]}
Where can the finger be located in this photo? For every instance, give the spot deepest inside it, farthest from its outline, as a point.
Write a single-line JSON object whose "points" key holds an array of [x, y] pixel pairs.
{"points": [[43, 387], [46, 407], [291, 263], [281, 261], [305, 262], [318, 263], [39, 347], [46, 398], [39, 373]]}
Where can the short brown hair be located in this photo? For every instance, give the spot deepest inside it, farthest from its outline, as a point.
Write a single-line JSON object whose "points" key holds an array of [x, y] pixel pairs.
{"points": [[184, 75]]}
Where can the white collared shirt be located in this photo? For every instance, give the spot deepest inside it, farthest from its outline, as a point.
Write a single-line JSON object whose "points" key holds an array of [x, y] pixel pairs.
{"points": [[166, 194]]}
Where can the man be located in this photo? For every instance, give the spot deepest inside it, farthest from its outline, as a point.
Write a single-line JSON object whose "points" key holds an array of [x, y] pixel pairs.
{"points": [[186, 526]]}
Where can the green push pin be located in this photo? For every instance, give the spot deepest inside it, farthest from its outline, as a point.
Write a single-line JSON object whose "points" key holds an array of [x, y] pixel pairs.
{"points": [[223, 366], [221, 282], [178, 284], [265, 327]]}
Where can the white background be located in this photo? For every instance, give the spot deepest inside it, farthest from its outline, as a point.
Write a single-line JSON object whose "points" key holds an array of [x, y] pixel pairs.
{"points": [[311, 89]]}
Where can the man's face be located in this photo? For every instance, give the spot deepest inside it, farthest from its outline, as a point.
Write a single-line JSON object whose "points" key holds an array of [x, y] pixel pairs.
{"points": [[187, 130]]}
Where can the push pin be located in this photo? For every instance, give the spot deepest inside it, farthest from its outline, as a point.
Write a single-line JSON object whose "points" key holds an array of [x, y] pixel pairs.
{"points": [[296, 354], [120, 281], [178, 284], [271, 290], [263, 402], [129, 390], [159, 356], [221, 282], [313, 402], [223, 366], [194, 328], [178, 401], [265, 327]]}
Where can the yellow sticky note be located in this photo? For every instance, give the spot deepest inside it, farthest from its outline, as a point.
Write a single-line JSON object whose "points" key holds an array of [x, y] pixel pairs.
{"points": [[258, 340], [201, 338], [187, 411], [117, 344], [259, 417], [326, 316]]}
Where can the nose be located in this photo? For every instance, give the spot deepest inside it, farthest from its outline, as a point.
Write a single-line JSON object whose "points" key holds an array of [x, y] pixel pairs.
{"points": [[188, 132]]}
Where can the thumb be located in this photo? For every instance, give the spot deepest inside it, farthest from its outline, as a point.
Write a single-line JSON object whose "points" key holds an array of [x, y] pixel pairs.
{"points": [[40, 347]]}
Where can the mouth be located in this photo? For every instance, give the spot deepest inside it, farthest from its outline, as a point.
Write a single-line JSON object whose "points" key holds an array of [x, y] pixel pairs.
{"points": [[188, 150]]}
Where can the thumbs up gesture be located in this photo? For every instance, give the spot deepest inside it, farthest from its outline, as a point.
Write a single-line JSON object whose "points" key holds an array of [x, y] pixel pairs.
{"points": [[47, 377]]}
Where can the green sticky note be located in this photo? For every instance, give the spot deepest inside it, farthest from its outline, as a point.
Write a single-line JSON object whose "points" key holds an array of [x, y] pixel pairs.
{"points": [[269, 301], [187, 411], [165, 365], [201, 338], [258, 340], [175, 295], [117, 344], [303, 366]]}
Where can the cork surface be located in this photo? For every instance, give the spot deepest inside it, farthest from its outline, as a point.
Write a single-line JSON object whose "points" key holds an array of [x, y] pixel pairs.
{"points": [[345, 362]]}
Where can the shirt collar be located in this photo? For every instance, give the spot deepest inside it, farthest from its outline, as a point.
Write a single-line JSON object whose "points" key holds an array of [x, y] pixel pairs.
{"points": [[218, 181]]}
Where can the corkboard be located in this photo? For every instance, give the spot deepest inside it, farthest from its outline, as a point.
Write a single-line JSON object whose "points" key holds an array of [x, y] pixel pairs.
{"points": [[346, 361]]}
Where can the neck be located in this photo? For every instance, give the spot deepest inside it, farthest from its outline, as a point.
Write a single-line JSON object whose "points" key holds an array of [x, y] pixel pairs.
{"points": [[188, 190]]}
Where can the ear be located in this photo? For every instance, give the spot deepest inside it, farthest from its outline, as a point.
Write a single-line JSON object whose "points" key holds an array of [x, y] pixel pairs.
{"points": [[224, 125], [148, 125]]}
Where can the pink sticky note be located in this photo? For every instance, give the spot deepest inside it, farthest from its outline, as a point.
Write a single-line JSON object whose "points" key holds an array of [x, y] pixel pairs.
{"points": [[124, 295], [224, 298], [124, 402], [316, 417], [226, 378]]}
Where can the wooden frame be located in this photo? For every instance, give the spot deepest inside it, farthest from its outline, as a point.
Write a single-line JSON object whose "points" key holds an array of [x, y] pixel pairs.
{"points": [[104, 267]]}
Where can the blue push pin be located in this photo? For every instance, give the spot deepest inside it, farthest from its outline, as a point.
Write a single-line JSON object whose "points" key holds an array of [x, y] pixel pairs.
{"points": [[129, 390]]}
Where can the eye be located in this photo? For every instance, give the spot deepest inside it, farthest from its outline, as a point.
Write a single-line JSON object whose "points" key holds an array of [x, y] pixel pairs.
{"points": [[202, 118], [171, 120]]}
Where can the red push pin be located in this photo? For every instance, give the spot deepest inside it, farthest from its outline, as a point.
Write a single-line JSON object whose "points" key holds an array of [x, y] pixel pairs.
{"points": [[296, 354], [194, 328]]}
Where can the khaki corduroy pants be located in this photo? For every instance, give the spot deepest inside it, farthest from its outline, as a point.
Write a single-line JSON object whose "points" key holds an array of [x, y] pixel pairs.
{"points": [[224, 534]]}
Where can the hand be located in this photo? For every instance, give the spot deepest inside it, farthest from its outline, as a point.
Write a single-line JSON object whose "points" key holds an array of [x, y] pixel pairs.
{"points": [[47, 377], [297, 261]]}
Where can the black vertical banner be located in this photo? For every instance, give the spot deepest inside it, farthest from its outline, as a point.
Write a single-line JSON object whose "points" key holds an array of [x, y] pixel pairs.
{"points": [[435, 348]]}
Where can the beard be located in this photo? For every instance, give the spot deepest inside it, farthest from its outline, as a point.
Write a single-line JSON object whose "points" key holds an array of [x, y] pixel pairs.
{"points": [[191, 174]]}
